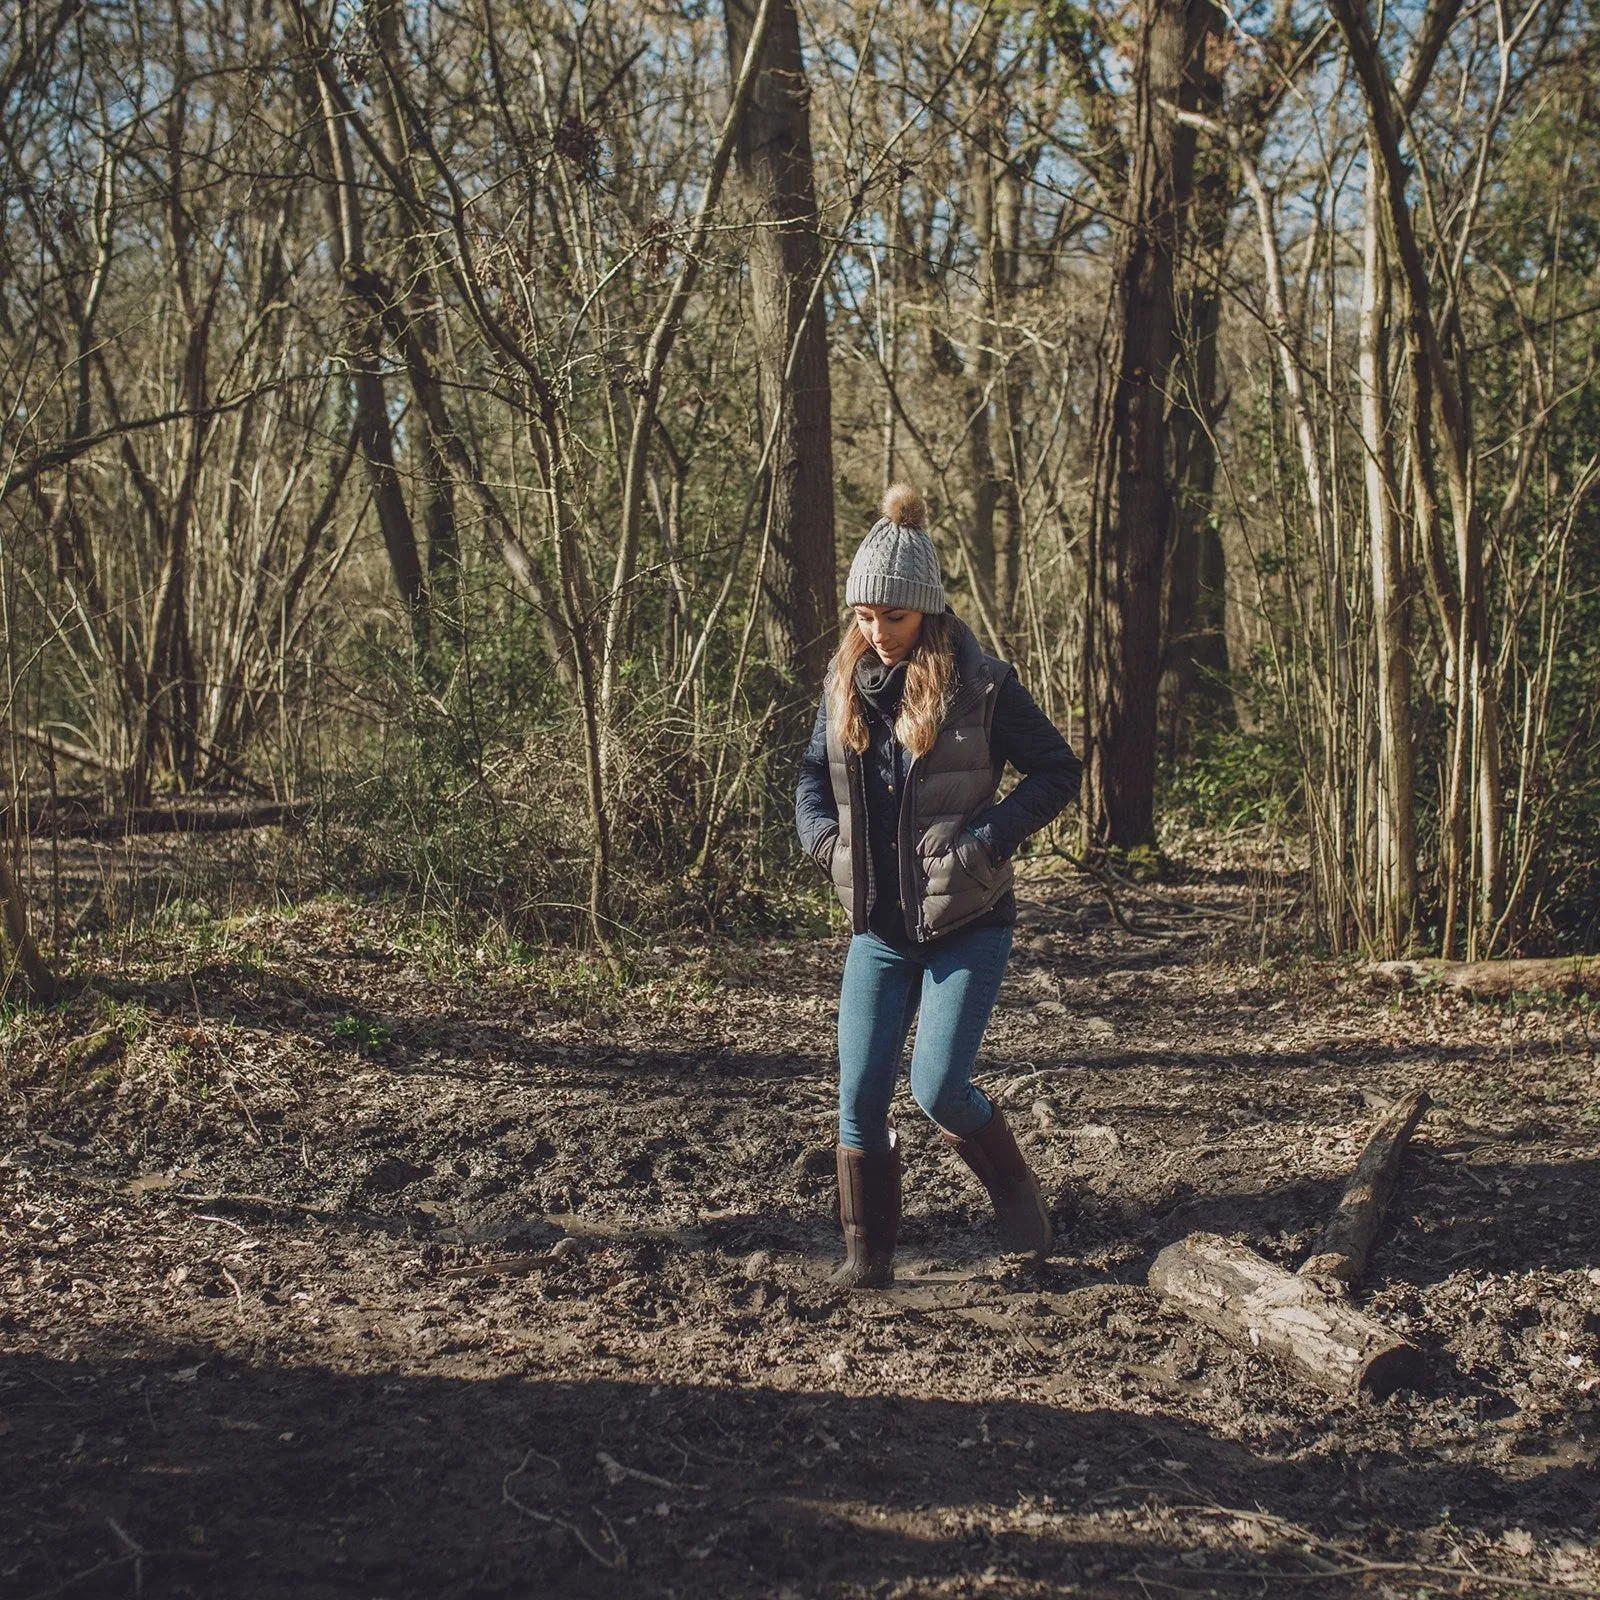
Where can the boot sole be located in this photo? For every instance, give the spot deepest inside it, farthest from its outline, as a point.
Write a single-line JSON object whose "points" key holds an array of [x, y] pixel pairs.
{"points": [[850, 1277]]}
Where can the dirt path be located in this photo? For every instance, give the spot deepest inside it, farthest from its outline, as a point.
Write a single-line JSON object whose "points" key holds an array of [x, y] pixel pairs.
{"points": [[243, 1351]]}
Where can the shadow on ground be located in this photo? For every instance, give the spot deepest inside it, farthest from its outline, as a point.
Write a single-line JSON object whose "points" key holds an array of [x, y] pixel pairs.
{"points": [[185, 1473]]}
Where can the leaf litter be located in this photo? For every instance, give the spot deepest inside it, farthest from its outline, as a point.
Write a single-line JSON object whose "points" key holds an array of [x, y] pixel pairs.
{"points": [[334, 1271]]}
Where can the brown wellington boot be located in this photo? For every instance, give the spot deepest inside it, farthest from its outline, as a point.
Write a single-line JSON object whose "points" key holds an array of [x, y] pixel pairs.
{"points": [[1019, 1208], [869, 1213]]}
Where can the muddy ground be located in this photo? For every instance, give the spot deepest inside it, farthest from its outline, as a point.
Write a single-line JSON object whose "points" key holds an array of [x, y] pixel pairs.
{"points": [[253, 1174]]}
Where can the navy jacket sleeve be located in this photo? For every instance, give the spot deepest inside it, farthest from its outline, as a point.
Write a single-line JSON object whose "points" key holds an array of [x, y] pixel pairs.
{"points": [[1024, 736], [815, 813]]}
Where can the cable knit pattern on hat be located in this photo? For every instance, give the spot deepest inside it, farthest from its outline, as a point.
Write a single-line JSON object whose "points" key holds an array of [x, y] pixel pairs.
{"points": [[897, 564]]}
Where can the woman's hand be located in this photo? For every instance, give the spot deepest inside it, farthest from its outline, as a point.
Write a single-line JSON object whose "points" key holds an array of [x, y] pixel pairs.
{"points": [[975, 830], [822, 851]]}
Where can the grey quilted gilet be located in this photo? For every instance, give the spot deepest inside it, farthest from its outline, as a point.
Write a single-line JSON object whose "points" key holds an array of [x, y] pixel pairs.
{"points": [[947, 878]]}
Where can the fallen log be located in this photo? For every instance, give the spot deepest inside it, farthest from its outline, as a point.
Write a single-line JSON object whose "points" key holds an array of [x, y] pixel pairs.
{"points": [[76, 822], [1558, 974], [1304, 1318], [1256, 1305], [1341, 1253]]}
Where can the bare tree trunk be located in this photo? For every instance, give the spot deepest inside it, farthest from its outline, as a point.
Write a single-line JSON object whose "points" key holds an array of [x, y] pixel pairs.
{"points": [[1195, 667], [348, 237], [978, 370], [658, 348], [549, 440], [993, 366], [1396, 886], [1010, 367], [416, 313], [1131, 511], [1195, 653], [1441, 399], [983, 175], [773, 152], [377, 450], [412, 327], [171, 711]]}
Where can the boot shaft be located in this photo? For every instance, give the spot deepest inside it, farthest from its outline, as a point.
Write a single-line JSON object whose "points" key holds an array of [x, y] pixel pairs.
{"points": [[992, 1154], [1020, 1212], [869, 1215], [869, 1194]]}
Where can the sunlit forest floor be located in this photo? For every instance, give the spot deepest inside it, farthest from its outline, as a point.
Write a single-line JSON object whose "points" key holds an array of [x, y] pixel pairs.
{"points": [[340, 1260]]}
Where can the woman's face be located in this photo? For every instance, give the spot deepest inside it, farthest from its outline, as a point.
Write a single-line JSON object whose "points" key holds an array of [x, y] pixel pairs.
{"points": [[890, 630]]}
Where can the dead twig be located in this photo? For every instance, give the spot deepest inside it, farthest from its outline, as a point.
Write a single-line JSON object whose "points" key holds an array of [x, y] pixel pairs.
{"points": [[1108, 881], [1353, 1562], [616, 1472], [136, 1555], [225, 1223], [616, 1563], [1033, 1077], [110, 1564], [503, 1267], [135, 1550]]}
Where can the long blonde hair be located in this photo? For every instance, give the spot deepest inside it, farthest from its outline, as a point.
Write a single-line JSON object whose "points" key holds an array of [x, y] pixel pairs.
{"points": [[925, 701]]}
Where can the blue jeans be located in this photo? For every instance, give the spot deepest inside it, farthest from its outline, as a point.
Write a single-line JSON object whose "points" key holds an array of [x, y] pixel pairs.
{"points": [[955, 986]]}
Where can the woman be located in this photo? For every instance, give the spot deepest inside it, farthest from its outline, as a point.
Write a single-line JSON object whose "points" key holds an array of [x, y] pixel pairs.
{"points": [[896, 803]]}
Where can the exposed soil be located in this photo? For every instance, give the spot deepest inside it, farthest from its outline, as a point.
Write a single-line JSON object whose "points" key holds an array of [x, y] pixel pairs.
{"points": [[248, 1345]]}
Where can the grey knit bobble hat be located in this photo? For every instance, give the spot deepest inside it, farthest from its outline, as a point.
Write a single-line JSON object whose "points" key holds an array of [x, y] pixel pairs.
{"points": [[896, 564]]}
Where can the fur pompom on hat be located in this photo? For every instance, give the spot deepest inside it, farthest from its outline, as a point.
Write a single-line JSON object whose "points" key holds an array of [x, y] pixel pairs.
{"points": [[903, 506], [897, 564]]}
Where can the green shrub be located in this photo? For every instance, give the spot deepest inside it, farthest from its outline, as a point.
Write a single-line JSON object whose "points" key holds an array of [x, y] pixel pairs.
{"points": [[1236, 778]]}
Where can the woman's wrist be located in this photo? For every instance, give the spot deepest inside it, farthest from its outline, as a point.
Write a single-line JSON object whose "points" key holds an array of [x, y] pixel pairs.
{"points": [[981, 833]]}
